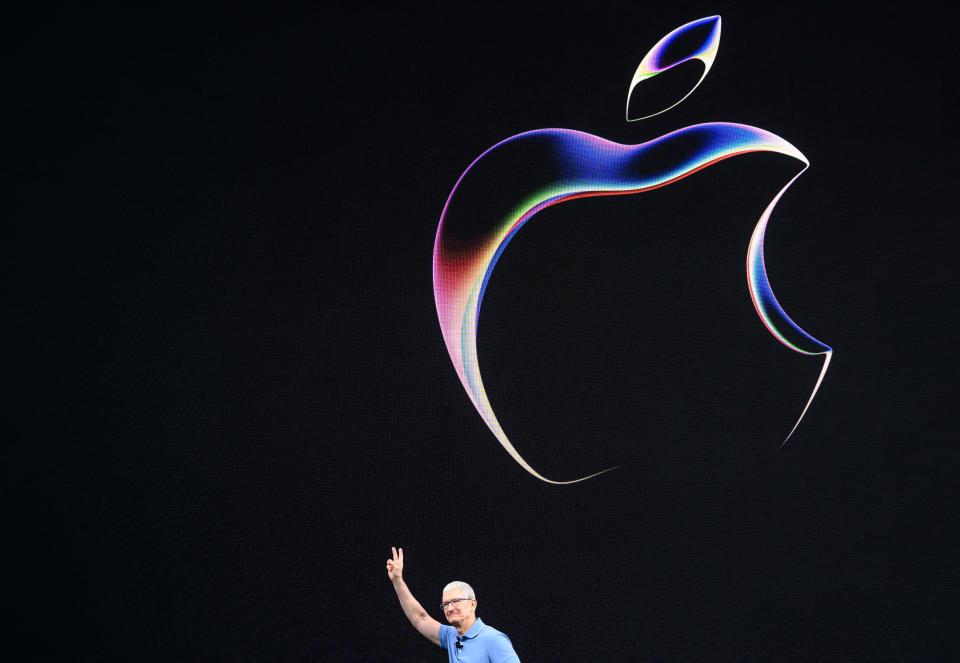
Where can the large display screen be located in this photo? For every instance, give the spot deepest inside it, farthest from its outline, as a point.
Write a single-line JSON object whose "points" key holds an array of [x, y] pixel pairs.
{"points": [[638, 319]]}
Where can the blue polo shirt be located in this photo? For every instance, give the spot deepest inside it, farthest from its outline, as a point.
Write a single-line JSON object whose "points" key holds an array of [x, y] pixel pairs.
{"points": [[481, 644]]}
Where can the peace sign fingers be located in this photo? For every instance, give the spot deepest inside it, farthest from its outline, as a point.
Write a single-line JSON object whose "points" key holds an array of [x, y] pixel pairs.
{"points": [[395, 564]]}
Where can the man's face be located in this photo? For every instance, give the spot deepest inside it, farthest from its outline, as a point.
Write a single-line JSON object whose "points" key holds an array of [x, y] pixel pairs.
{"points": [[460, 610]]}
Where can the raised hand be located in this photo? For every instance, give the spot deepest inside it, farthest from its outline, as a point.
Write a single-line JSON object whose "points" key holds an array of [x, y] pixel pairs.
{"points": [[395, 565], [423, 622]]}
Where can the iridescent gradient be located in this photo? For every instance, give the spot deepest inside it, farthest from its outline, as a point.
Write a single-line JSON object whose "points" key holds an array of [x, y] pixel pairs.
{"points": [[488, 206], [660, 58]]}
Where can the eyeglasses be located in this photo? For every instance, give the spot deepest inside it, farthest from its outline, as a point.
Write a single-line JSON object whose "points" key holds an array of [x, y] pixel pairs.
{"points": [[447, 604]]}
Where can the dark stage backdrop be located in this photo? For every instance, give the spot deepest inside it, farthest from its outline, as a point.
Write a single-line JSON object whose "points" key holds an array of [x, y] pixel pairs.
{"points": [[233, 394]]}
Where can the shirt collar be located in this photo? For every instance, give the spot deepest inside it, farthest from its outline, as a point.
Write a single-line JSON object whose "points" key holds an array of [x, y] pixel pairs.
{"points": [[474, 630]]}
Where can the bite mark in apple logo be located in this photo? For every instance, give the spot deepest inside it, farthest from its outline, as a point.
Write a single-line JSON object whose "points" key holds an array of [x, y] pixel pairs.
{"points": [[564, 164]]}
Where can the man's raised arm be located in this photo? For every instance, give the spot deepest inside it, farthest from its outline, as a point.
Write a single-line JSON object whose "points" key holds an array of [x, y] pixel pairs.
{"points": [[424, 623]]}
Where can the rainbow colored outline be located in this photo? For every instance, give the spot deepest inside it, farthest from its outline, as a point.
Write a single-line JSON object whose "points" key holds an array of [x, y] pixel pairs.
{"points": [[657, 61], [587, 165]]}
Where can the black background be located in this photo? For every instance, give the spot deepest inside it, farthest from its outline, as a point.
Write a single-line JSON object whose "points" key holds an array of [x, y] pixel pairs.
{"points": [[233, 396]]}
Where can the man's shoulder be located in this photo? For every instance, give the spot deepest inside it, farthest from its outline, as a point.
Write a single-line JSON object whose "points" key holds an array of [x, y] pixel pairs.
{"points": [[446, 635], [489, 631], [493, 636], [499, 646]]}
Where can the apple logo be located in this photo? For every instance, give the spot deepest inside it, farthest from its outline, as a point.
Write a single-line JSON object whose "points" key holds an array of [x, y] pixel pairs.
{"points": [[509, 183]]}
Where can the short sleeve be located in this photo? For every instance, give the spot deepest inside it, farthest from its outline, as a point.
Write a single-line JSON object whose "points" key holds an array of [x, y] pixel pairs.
{"points": [[447, 635], [501, 650]]}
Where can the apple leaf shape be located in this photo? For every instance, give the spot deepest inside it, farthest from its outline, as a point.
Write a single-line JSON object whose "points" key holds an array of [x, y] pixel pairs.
{"points": [[697, 40]]}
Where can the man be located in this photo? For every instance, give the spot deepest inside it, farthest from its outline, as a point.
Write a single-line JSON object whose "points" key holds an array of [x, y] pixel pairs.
{"points": [[468, 639]]}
